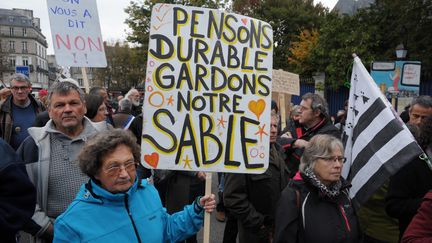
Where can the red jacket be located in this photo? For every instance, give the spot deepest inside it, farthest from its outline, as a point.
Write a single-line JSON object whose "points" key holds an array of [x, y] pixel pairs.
{"points": [[420, 228]]}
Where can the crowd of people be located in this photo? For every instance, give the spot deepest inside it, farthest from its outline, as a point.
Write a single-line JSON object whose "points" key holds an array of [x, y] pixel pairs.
{"points": [[70, 172]]}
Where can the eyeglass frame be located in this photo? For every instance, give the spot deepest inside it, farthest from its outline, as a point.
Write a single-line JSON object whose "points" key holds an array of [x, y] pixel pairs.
{"points": [[115, 170], [333, 159], [17, 88]]}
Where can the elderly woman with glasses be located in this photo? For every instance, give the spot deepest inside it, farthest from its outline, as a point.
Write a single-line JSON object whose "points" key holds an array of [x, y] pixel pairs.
{"points": [[315, 206], [114, 206]]}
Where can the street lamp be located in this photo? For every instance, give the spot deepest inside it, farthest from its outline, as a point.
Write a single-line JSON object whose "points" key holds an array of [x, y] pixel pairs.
{"points": [[401, 52]]}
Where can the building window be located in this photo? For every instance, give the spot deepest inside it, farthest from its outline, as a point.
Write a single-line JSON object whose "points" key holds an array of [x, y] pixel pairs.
{"points": [[24, 32], [11, 31], [12, 61], [25, 61], [80, 81], [12, 45], [11, 19], [24, 47]]}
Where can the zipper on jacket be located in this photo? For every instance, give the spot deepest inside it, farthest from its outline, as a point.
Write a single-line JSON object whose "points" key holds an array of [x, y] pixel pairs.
{"points": [[130, 217], [345, 218]]}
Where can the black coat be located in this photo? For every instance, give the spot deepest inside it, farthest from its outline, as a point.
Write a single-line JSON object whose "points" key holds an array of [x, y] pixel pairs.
{"points": [[313, 217], [17, 194], [293, 155], [406, 191], [251, 198]]}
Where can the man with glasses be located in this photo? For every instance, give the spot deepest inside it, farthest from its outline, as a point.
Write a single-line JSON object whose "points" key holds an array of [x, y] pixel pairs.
{"points": [[313, 119], [50, 154], [18, 111]]}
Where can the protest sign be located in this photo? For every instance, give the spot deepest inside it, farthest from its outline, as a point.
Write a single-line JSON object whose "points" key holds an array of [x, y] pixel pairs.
{"points": [[286, 82], [207, 91], [76, 33]]}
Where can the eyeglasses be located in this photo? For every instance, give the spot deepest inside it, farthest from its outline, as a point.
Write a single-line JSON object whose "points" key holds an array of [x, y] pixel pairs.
{"points": [[115, 169], [16, 88], [333, 159]]}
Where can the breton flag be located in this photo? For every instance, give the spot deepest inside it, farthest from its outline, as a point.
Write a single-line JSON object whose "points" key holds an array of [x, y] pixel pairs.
{"points": [[377, 142]]}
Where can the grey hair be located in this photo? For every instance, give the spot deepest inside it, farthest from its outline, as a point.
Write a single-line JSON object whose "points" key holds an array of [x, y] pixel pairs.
{"points": [[20, 78], [102, 144], [125, 105], [319, 146], [129, 93], [422, 100], [63, 88], [275, 115], [318, 103]]}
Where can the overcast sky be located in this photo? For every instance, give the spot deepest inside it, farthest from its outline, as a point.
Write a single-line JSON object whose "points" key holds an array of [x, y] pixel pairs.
{"points": [[111, 15]]}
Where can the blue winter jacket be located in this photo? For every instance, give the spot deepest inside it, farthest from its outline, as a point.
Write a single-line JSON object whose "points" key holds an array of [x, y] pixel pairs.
{"points": [[97, 215]]}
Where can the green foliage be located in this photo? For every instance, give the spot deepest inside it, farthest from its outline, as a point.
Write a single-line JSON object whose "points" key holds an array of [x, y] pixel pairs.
{"points": [[288, 18], [126, 66], [371, 33], [140, 17], [341, 36], [301, 51]]}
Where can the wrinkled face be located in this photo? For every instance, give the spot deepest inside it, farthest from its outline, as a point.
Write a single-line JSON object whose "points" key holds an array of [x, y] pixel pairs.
{"points": [[67, 111], [20, 91], [273, 130], [329, 169], [418, 114], [118, 170], [135, 98], [307, 116], [101, 114]]}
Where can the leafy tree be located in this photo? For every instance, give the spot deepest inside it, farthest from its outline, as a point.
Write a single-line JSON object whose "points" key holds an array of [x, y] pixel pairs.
{"points": [[340, 37], [140, 17], [407, 23], [301, 51], [373, 34], [288, 18], [125, 69]]}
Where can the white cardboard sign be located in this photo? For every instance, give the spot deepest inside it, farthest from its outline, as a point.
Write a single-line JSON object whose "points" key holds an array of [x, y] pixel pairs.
{"points": [[208, 91], [76, 33]]}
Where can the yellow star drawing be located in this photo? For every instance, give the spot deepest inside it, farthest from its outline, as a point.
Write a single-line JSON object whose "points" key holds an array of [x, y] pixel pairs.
{"points": [[261, 132], [187, 162]]}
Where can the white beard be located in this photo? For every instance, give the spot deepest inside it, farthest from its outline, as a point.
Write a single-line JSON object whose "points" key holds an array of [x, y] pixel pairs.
{"points": [[135, 103]]}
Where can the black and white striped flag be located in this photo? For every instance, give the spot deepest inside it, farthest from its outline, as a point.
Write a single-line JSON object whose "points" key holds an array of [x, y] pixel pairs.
{"points": [[377, 142]]}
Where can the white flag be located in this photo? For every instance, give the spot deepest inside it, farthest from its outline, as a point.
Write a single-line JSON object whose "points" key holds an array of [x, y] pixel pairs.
{"points": [[377, 142]]}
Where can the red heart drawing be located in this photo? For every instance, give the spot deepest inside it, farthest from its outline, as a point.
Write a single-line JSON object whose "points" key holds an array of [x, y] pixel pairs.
{"points": [[152, 159], [244, 21]]}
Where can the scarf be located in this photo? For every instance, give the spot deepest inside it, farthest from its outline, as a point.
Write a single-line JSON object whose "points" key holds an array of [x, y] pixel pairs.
{"points": [[331, 191]]}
